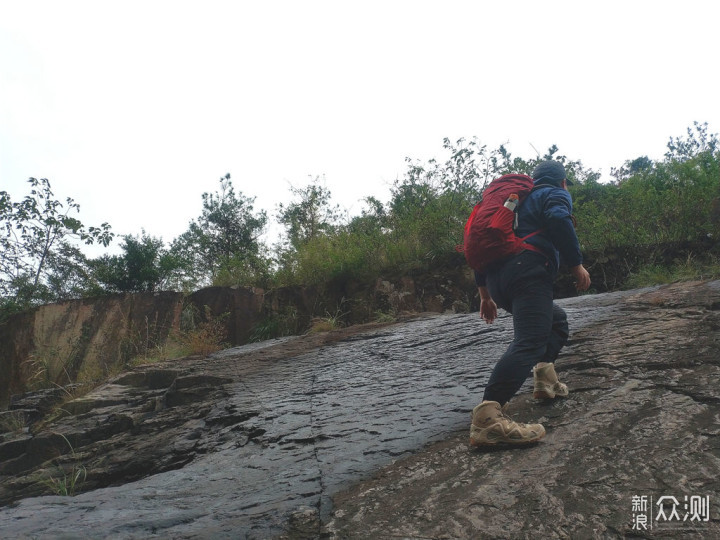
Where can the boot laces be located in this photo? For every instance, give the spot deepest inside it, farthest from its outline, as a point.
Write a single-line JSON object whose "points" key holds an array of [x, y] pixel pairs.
{"points": [[505, 416]]}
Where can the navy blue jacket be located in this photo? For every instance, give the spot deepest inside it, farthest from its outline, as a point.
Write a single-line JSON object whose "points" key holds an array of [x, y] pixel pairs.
{"points": [[549, 208]]}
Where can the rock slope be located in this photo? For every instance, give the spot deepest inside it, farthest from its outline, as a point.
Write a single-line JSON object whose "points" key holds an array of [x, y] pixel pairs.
{"points": [[641, 425], [362, 433]]}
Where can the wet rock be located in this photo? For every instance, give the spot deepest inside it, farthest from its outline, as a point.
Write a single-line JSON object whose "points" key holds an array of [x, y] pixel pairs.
{"points": [[120, 431], [150, 378], [191, 388], [13, 448], [35, 405]]}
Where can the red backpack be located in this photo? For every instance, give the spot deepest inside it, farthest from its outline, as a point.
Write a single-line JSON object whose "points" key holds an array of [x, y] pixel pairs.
{"points": [[489, 231]]}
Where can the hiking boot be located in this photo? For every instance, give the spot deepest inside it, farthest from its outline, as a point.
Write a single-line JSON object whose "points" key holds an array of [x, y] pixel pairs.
{"points": [[546, 382], [491, 427]]}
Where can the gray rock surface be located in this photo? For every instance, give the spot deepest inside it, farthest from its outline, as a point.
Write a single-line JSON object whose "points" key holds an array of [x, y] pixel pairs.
{"points": [[362, 433], [642, 420]]}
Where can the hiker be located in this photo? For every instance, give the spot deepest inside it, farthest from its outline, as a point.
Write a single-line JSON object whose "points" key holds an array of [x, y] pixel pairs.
{"points": [[523, 286]]}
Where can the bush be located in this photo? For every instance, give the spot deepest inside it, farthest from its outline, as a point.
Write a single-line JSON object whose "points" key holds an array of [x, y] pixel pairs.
{"points": [[204, 336]]}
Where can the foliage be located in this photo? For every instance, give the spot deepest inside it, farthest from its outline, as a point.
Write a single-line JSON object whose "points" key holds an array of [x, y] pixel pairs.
{"points": [[224, 241], [12, 422], [654, 203], [691, 268], [38, 261], [309, 216], [145, 265], [43, 368], [420, 225], [650, 206], [331, 321], [276, 325], [697, 143], [245, 270], [308, 219], [383, 317]]}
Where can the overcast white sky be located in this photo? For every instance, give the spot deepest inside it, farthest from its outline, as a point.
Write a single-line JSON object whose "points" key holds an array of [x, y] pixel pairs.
{"points": [[136, 108]]}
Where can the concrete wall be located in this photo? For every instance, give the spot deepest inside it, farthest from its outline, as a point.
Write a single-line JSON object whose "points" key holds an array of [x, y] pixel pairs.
{"points": [[59, 341]]}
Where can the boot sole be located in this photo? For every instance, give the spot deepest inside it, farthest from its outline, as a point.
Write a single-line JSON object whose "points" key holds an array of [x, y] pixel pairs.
{"points": [[508, 444], [544, 394]]}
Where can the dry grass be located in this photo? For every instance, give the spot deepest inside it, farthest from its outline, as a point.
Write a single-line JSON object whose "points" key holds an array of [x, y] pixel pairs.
{"points": [[207, 336]]}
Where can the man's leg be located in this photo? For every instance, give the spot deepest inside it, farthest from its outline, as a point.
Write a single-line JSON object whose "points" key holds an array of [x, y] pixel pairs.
{"points": [[533, 321], [559, 334], [545, 381]]}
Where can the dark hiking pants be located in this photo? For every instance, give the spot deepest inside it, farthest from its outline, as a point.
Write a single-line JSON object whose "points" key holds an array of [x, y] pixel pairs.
{"points": [[523, 286]]}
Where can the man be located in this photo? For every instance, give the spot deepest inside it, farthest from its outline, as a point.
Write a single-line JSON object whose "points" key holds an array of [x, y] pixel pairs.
{"points": [[523, 286]]}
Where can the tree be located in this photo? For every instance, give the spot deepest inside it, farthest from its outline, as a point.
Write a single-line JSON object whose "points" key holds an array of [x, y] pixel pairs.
{"points": [[36, 237], [371, 221], [631, 168], [309, 216], [698, 142], [224, 241], [145, 266]]}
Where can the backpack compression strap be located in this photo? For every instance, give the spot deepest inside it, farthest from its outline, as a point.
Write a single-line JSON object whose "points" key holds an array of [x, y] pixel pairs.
{"points": [[526, 245]]}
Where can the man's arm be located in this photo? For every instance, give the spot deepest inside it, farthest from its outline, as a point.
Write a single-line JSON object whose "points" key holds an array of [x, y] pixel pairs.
{"points": [[488, 308], [561, 228]]}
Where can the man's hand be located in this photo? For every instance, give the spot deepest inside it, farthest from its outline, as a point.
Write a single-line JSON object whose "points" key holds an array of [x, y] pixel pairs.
{"points": [[488, 308], [582, 277]]}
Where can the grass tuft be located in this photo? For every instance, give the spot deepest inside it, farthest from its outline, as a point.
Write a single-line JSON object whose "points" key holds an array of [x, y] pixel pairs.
{"points": [[68, 479], [689, 269]]}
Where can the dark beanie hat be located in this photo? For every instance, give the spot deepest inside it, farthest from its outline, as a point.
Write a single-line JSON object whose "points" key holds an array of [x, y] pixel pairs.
{"points": [[550, 172]]}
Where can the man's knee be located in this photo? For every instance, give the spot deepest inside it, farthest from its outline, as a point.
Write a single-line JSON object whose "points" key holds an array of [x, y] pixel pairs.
{"points": [[560, 322], [559, 313], [528, 352]]}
